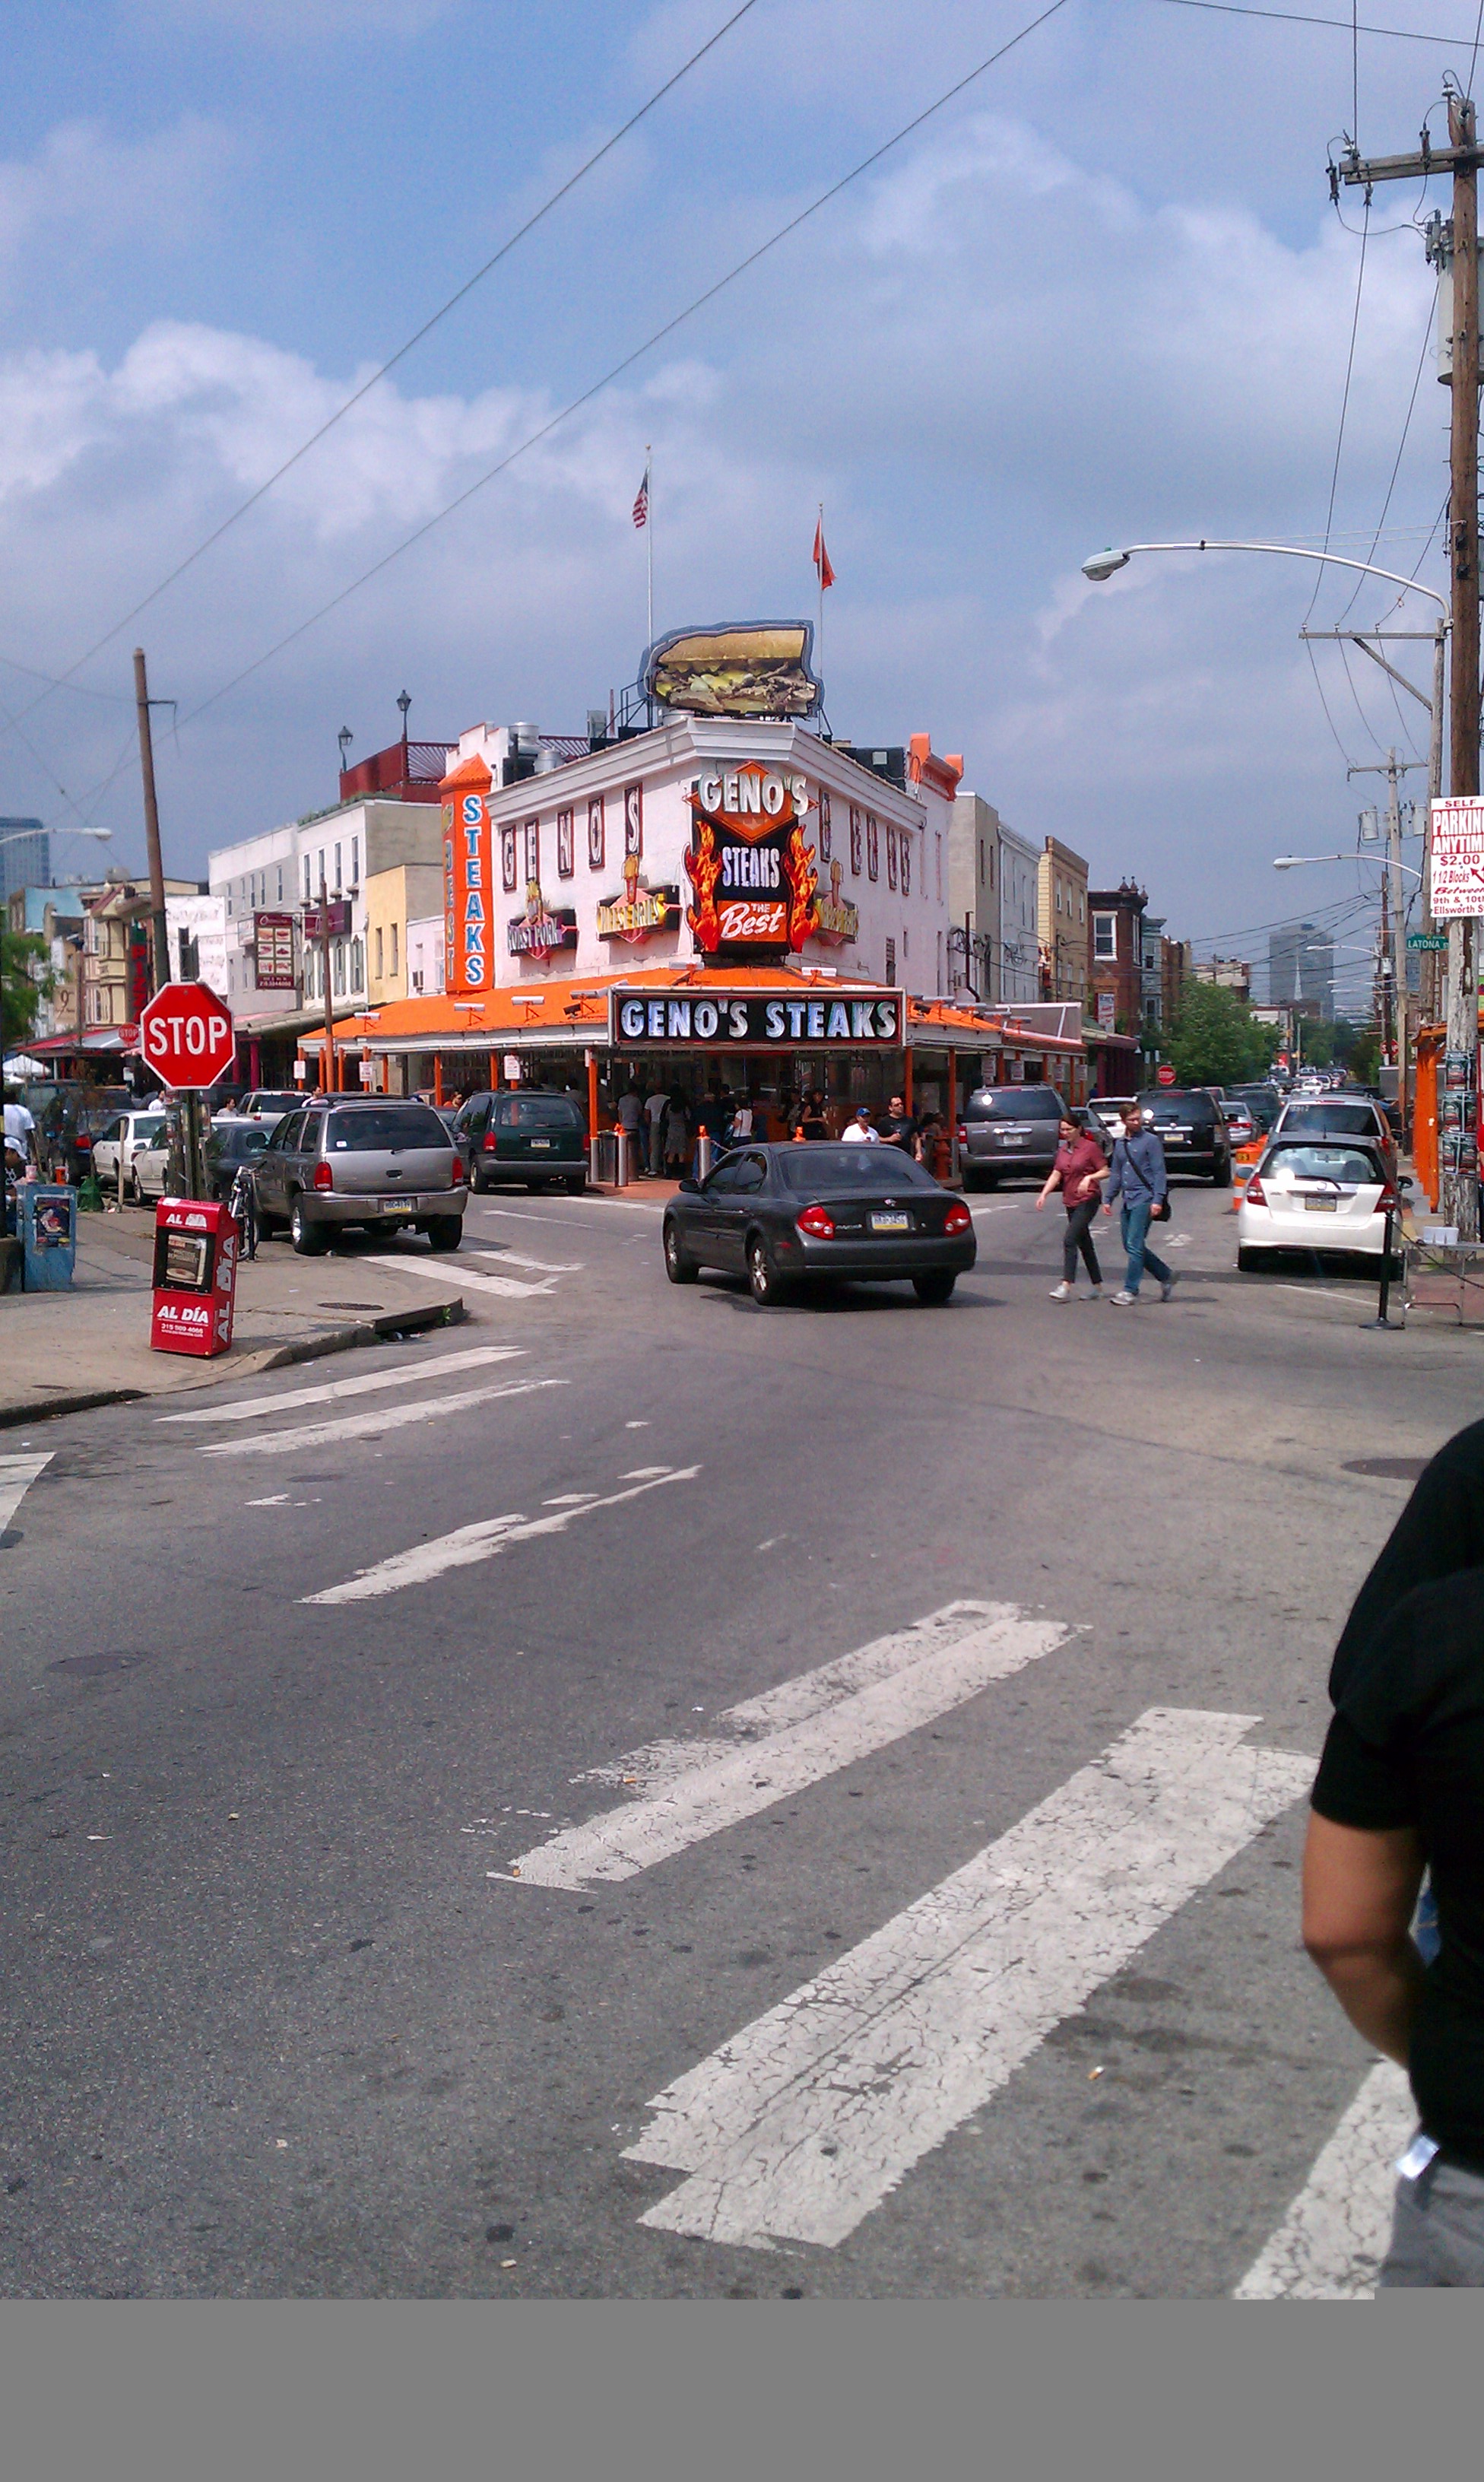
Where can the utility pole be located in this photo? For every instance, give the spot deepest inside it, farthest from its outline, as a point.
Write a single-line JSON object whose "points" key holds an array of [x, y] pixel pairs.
{"points": [[1393, 912], [146, 760], [328, 1075], [1461, 157]]}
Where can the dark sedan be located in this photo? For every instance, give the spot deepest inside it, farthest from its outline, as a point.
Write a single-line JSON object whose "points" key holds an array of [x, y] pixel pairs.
{"points": [[777, 1214]]}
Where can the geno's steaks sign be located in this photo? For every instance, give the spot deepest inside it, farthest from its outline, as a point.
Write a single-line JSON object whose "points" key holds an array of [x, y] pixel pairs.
{"points": [[723, 1020]]}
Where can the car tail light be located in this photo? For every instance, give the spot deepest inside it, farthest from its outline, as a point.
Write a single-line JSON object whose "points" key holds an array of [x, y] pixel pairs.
{"points": [[1255, 1193], [963, 1135], [817, 1224], [958, 1218], [323, 1175], [1387, 1203], [489, 1141]]}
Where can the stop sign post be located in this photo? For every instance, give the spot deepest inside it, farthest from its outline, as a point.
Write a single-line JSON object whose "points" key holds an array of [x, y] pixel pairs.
{"points": [[186, 1038]]}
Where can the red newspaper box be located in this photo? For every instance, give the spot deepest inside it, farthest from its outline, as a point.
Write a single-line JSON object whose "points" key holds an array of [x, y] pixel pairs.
{"points": [[196, 1243]]}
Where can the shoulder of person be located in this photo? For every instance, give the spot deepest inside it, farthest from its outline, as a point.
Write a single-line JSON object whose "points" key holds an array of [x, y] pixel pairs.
{"points": [[1425, 1661]]}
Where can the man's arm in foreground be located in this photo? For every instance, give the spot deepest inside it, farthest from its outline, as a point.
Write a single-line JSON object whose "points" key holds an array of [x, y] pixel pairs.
{"points": [[1360, 1890]]}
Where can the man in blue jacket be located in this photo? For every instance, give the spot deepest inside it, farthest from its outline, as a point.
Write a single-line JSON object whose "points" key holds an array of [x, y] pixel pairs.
{"points": [[1140, 1179]]}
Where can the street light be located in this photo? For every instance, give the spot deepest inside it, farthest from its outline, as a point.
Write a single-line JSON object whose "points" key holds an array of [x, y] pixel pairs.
{"points": [[1104, 565], [1300, 861]]}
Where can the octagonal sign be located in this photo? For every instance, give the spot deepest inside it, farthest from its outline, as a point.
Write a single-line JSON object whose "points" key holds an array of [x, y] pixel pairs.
{"points": [[186, 1037]]}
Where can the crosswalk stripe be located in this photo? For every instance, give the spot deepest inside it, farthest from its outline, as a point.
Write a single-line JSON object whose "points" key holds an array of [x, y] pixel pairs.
{"points": [[483, 1540], [810, 2117], [370, 1426], [1330, 2244], [16, 1476], [808, 1728], [501, 1256], [251, 1409], [446, 1271]]}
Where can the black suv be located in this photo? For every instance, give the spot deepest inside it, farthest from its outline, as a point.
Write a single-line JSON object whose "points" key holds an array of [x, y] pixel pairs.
{"points": [[526, 1136], [1189, 1123], [1006, 1130]]}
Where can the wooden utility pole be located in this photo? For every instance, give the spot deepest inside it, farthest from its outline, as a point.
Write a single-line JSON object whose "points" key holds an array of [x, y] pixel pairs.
{"points": [[146, 760], [330, 1079], [1459, 1177]]}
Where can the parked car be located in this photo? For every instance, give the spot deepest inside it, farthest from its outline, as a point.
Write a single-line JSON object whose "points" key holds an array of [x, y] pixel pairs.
{"points": [[265, 1103], [1006, 1130], [68, 1121], [778, 1213], [379, 1162], [1188, 1123], [230, 1144], [1263, 1102], [122, 1138], [1338, 1115], [1241, 1128], [1315, 1194], [528, 1135]]}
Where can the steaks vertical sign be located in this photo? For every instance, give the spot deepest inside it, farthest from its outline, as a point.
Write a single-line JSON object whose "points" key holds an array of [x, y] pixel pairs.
{"points": [[753, 880], [466, 877]]}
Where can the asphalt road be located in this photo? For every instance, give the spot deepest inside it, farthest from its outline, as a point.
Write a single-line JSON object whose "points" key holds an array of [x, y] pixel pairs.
{"points": [[970, 1966]]}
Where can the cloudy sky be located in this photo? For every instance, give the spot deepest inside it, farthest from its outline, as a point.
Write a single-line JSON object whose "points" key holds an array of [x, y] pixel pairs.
{"points": [[1101, 297]]}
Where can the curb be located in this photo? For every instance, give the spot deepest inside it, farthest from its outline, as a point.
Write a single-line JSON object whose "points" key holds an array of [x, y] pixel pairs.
{"points": [[391, 1325]]}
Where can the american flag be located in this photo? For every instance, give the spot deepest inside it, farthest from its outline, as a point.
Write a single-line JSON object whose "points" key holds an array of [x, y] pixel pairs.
{"points": [[642, 502]]}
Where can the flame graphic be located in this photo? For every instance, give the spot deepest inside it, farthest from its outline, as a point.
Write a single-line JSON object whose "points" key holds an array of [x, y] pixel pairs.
{"points": [[804, 889], [703, 869]]}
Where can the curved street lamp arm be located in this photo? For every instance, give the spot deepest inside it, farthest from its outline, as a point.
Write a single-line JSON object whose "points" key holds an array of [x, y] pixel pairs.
{"points": [[1288, 551]]}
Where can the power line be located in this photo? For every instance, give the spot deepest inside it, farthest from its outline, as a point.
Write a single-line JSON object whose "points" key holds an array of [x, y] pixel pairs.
{"points": [[638, 353], [1344, 403], [1406, 426], [1300, 18], [564, 191]]}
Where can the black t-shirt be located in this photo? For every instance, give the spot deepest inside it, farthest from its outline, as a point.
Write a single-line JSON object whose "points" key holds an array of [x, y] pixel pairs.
{"points": [[1406, 1749], [1440, 1531]]}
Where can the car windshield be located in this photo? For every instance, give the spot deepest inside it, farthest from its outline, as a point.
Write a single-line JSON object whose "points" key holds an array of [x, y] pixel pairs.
{"points": [[1014, 1103], [814, 1171], [265, 1102], [1351, 1164], [371, 1131], [246, 1140], [1340, 1120], [534, 1112]]}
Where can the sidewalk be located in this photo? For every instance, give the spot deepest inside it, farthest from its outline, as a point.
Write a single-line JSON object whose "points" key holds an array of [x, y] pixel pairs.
{"points": [[62, 1352]]}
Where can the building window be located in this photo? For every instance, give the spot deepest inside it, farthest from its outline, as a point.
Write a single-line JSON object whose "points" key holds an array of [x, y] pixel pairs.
{"points": [[378, 952], [339, 969], [279, 899], [319, 874], [937, 855], [307, 889], [891, 960], [939, 984], [357, 965], [564, 856], [906, 866], [337, 870], [355, 862], [1105, 938], [855, 844], [872, 846], [394, 949]]}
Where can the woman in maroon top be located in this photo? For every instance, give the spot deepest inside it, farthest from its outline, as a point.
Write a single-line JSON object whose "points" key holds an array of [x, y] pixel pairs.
{"points": [[1079, 1171]]}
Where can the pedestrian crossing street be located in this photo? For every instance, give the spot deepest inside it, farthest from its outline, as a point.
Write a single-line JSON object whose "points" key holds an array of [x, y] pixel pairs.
{"points": [[807, 2117]]}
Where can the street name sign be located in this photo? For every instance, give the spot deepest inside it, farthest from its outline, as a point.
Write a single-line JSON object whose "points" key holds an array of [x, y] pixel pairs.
{"points": [[186, 1036], [1458, 857], [1427, 940]]}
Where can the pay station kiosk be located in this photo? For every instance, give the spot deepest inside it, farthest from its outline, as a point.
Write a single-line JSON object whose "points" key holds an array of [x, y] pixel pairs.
{"points": [[194, 1277]]}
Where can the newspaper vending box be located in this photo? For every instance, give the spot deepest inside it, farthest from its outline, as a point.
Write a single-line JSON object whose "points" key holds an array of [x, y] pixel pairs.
{"points": [[194, 1277]]}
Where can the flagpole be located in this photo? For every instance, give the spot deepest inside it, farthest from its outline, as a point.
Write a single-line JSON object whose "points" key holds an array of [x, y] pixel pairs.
{"points": [[818, 643], [650, 537]]}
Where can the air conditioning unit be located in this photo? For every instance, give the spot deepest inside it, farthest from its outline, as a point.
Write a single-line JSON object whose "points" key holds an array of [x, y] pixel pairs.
{"points": [[417, 982]]}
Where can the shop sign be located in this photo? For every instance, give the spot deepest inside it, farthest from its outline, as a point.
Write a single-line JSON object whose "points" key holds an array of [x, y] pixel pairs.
{"points": [[749, 668], [1107, 1002], [836, 921], [752, 874], [753, 1021], [1458, 857], [640, 911], [538, 931], [337, 921], [466, 879], [273, 939]]}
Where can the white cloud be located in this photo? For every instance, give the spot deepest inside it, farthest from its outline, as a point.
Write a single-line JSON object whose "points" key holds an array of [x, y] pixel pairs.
{"points": [[84, 192]]}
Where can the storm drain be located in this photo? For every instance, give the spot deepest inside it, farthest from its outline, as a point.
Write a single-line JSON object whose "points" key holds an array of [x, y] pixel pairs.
{"points": [[87, 1667]]}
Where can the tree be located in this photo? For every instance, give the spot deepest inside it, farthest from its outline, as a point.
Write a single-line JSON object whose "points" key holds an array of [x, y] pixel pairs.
{"points": [[22, 987], [1214, 1040]]}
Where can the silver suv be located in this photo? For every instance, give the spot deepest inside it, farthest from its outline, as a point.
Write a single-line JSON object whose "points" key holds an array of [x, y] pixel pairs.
{"points": [[381, 1164], [1007, 1130]]}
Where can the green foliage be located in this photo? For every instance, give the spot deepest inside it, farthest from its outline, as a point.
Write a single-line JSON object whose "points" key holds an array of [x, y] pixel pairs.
{"points": [[1365, 1060], [1215, 1042], [21, 989]]}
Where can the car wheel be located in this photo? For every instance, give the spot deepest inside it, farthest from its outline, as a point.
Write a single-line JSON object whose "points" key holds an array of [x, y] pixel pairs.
{"points": [[986, 1180], [934, 1288], [444, 1231], [1221, 1178], [761, 1278], [678, 1265], [310, 1240]]}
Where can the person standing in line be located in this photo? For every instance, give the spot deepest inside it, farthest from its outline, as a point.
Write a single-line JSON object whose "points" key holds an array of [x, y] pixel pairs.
{"points": [[656, 1105], [859, 1132], [1140, 1180], [901, 1127], [741, 1122], [1079, 1171], [677, 1135]]}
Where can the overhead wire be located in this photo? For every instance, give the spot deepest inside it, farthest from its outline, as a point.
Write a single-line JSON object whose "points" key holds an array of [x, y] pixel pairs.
{"points": [[638, 353], [1344, 407], [1303, 17], [548, 204]]}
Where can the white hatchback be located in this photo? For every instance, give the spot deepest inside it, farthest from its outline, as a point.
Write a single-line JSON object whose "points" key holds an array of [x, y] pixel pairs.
{"points": [[1315, 1194], [125, 1138]]}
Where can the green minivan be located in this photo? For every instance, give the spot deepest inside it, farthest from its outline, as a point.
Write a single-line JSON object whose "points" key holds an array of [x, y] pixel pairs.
{"points": [[531, 1136]]}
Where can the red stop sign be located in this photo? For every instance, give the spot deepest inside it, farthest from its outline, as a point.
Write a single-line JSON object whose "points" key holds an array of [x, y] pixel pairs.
{"points": [[1165, 1073], [186, 1035]]}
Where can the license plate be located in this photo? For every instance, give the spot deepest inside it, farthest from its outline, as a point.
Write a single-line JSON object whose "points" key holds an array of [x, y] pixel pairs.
{"points": [[1174, 1137], [1321, 1206], [398, 1205], [1014, 1142], [890, 1223], [540, 1146]]}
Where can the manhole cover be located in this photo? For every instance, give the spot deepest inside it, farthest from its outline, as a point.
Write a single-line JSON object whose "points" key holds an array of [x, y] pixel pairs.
{"points": [[1390, 1468], [350, 1305], [86, 1666]]}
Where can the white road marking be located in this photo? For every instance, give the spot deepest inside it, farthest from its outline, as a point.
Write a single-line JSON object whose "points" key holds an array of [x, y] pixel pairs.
{"points": [[274, 1499], [401, 1375], [812, 2114], [798, 1734], [482, 1540], [445, 1270], [1330, 2244], [370, 1426], [16, 1476], [502, 1256], [525, 1215]]}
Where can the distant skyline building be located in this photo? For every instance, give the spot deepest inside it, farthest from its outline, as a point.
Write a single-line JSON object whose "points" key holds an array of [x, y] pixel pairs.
{"points": [[1301, 969], [25, 856]]}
